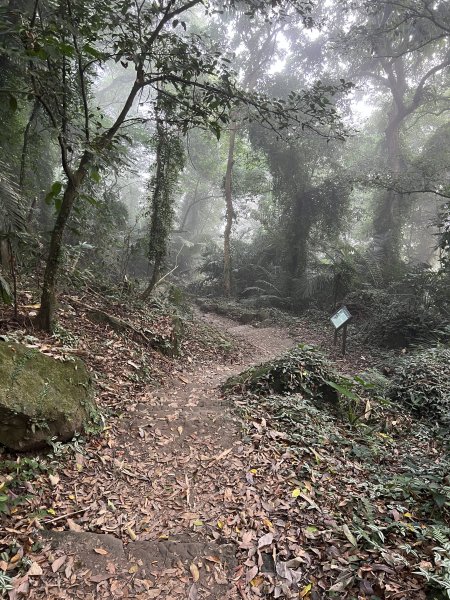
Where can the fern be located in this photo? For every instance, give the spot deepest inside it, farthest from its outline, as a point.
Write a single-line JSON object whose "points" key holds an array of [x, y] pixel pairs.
{"points": [[12, 214]]}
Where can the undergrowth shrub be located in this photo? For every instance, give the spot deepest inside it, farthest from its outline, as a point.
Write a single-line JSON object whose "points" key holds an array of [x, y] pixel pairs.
{"points": [[302, 370], [400, 324], [412, 310], [422, 382]]}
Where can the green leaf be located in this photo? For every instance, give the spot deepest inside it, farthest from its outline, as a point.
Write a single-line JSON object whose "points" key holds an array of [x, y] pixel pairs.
{"points": [[89, 199], [344, 391], [440, 499], [12, 103], [92, 51], [95, 175], [6, 297], [55, 190]]}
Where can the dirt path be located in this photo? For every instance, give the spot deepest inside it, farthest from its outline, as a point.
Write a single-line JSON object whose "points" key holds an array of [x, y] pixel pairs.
{"points": [[164, 491]]}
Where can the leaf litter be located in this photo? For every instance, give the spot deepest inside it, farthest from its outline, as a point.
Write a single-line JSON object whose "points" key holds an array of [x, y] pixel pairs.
{"points": [[296, 497]]}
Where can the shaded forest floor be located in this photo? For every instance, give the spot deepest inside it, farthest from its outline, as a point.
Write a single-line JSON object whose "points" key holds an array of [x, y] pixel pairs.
{"points": [[190, 494]]}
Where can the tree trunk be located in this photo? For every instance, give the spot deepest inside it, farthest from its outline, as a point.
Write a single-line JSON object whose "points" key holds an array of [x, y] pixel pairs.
{"points": [[156, 274], [26, 139], [46, 315], [298, 250], [388, 221], [156, 224], [229, 212]]}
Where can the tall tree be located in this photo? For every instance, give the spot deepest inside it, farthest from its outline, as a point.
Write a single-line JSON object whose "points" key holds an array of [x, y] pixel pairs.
{"points": [[62, 47], [404, 49], [169, 162]]}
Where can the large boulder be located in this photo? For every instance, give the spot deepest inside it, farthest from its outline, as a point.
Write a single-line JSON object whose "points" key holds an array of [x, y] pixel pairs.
{"points": [[42, 397]]}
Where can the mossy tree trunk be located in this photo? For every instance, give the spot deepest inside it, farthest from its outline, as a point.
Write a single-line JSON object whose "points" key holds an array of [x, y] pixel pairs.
{"points": [[45, 317]]}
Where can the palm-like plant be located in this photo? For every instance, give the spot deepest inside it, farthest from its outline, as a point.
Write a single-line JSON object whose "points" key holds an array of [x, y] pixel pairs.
{"points": [[12, 222], [12, 215]]}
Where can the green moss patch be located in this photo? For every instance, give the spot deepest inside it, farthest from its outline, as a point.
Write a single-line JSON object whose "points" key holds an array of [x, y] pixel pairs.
{"points": [[41, 397]]}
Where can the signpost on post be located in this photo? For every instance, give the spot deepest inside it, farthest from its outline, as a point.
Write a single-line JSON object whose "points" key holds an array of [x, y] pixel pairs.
{"points": [[340, 320]]}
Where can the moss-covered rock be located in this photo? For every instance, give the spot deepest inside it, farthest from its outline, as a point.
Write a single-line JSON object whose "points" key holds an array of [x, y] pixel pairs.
{"points": [[41, 397]]}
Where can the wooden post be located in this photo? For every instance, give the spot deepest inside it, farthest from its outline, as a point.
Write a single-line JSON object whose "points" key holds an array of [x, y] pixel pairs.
{"points": [[344, 339], [340, 321]]}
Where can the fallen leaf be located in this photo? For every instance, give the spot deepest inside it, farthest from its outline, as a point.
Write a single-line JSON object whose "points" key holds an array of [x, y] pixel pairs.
{"points": [[193, 592], [35, 570], [100, 577], [349, 535], [57, 564], [194, 571], [265, 540], [74, 526], [16, 557], [257, 581], [54, 480], [222, 454], [101, 551], [251, 574], [305, 591], [340, 586]]}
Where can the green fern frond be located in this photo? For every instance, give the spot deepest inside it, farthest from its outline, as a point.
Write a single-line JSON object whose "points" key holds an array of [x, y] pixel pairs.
{"points": [[12, 214]]}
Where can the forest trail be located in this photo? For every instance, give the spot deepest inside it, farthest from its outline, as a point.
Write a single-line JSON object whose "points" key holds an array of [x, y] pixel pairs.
{"points": [[174, 484]]}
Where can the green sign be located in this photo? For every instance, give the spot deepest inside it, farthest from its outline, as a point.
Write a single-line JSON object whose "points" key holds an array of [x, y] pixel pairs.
{"points": [[341, 317]]}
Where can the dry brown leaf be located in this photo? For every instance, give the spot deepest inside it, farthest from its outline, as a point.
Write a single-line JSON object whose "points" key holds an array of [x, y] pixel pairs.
{"points": [[57, 564], [251, 574], [222, 454], [74, 526], [54, 480], [349, 535], [35, 570], [247, 538], [265, 540], [214, 559], [101, 551], [100, 577], [194, 571]]}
